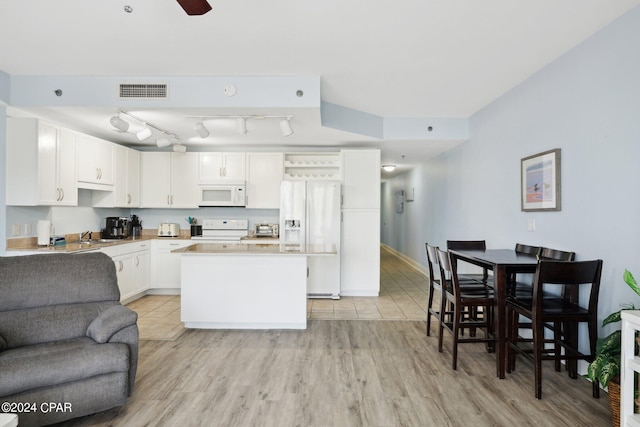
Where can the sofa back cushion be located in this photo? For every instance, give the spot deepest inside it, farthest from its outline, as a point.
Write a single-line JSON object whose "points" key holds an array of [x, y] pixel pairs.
{"points": [[53, 297], [46, 280]]}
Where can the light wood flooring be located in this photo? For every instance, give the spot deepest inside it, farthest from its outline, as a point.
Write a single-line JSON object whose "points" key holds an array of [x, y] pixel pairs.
{"points": [[341, 373]]}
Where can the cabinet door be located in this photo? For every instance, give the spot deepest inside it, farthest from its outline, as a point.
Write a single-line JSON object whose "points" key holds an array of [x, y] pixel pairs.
{"points": [[233, 168], [133, 178], [360, 253], [165, 266], [104, 161], [124, 272], [48, 190], [361, 179], [155, 180], [141, 265], [184, 180], [95, 160], [209, 168], [264, 176], [67, 178]]}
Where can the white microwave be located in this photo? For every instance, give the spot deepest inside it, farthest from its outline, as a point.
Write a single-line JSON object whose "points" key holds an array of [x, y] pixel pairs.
{"points": [[222, 195]]}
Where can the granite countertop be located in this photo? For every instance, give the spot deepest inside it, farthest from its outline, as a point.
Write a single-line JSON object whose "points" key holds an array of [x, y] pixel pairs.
{"points": [[255, 249]]}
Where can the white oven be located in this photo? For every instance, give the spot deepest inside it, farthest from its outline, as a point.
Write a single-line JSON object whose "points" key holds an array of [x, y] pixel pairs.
{"points": [[222, 195]]}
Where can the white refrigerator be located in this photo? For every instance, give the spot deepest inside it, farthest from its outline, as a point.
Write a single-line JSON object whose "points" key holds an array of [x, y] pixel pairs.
{"points": [[309, 215]]}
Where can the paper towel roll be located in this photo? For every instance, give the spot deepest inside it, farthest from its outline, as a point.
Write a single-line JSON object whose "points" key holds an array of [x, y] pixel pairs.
{"points": [[44, 232]]}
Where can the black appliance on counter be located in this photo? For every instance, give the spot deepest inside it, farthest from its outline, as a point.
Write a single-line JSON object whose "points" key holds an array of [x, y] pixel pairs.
{"points": [[117, 228], [135, 226]]}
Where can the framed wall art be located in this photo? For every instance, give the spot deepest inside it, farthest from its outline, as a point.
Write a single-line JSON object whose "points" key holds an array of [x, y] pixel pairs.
{"points": [[540, 182]]}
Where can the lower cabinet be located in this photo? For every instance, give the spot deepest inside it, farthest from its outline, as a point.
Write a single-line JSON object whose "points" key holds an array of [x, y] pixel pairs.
{"points": [[165, 266], [132, 263]]}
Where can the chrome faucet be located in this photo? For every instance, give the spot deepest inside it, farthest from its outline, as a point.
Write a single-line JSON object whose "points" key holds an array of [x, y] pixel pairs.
{"points": [[84, 234]]}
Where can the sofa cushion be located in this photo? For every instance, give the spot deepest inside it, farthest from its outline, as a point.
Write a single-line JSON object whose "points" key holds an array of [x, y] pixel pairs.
{"points": [[39, 325], [50, 364], [3, 344], [52, 279]]}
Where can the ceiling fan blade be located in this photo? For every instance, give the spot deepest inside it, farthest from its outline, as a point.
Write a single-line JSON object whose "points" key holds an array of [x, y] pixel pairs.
{"points": [[195, 7]]}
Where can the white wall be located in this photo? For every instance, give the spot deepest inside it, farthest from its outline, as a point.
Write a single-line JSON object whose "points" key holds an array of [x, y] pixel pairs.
{"points": [[586, 103]]}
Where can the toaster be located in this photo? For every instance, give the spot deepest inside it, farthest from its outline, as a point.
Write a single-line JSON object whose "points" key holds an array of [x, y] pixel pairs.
{"points": [[266, 230], [169, 229]]}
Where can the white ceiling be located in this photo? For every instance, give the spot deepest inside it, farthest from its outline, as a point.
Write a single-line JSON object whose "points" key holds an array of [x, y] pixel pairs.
{"points": [[409, 58]]}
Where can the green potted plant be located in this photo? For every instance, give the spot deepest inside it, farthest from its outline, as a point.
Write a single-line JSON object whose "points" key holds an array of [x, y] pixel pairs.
{"points": [[605, 368]]}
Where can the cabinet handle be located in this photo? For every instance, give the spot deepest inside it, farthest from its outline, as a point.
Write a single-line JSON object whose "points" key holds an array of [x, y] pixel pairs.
{"points": [[137, 261], [61, 194], [58, 198], [128, 198], [168, 200], [224, 171], [100, 169], [120, 265]]}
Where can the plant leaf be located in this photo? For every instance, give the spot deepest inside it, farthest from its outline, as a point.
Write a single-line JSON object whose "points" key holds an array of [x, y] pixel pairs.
{"points": [[612, 318], [611, 345], [631, 281]]}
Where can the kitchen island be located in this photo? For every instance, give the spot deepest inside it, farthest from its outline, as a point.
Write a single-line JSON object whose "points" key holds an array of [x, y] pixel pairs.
{"points": [[246, 286]]}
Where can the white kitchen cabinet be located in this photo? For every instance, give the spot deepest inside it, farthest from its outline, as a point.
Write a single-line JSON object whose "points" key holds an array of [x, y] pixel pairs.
{"points": [[214, 168], [169, 180], [264, 177], [95, 163], [132, 267], [41, 164], [360, 253], [361, 179], [126, 189], [165, 266]]}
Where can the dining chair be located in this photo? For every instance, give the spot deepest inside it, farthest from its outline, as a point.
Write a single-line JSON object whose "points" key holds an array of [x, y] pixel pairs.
{"points": [[463, 312], [563, 311], [435, 284], [514, 287], [471, 245]]}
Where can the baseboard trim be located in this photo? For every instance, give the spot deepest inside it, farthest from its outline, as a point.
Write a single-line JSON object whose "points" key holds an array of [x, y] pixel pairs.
{"points": [[409, 261]]}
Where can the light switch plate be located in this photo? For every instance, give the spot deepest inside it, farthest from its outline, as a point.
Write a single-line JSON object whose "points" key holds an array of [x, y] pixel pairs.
{"points": [[531, 224]]}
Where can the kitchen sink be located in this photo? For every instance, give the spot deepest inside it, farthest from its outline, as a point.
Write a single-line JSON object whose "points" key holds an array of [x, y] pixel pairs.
{"points": [[97, 241]]}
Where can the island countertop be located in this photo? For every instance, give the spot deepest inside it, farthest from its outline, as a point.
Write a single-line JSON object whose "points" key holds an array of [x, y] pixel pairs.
{"points": [[255, 249]]}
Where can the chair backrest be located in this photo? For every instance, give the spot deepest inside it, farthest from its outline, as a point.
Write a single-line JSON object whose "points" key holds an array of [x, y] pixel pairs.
{"points": [[568, 274], [469, 245], [528, 249], [556, 255], [432, 258], [447, 271]]}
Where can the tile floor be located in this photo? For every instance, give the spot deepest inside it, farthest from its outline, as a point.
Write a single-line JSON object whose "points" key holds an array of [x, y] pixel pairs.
{"points": [[403, 296]]}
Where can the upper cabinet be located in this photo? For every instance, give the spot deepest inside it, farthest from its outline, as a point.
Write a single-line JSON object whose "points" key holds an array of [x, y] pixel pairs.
{"points": [[361, 179], [126, 189], [95, 163], [169, 180], [312, 166], [264, 176], [218, 167], [41, 164]]}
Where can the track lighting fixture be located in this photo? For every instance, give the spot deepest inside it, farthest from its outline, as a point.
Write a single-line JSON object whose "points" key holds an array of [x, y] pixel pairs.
{"points": [[241, 125], [119, 123], [144, 133], [163, 142], [285, 127], [202, 131]]}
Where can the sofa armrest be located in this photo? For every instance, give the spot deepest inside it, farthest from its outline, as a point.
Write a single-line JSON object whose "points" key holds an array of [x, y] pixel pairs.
{"points": [[110, 321]]}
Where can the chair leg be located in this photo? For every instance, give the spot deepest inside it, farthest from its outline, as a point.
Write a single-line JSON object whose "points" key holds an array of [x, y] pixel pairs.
{"points": [[457, 314], [557, 338], [443, 304], [429, 313], [538, 342]]}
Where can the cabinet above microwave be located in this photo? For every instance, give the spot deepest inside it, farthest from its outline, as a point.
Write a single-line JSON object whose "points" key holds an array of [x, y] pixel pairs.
{"points": [[222, 195]]}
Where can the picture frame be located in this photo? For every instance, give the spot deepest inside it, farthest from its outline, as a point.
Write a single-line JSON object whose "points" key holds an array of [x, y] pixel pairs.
{"points": [[540, 188]]}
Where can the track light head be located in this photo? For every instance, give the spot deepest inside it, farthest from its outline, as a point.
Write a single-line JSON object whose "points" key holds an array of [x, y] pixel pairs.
{"points": [[202, 131], [163, 142], [285, 127], [241, 125], [144, 133], [119, 124]]}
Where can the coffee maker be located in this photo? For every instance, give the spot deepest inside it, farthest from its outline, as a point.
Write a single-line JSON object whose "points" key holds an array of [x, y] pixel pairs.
{"points": [[116, 228]]}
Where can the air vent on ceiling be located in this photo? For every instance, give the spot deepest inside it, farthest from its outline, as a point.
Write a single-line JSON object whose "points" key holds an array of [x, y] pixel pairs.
{"points": [[143, 91]]}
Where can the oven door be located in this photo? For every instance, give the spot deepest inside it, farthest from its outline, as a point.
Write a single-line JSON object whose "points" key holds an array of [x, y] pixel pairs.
{"points": [[222, 195]]}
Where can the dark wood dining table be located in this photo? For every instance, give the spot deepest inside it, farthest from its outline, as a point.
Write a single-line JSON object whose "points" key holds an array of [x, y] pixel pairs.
{"points": [[502, 262]]}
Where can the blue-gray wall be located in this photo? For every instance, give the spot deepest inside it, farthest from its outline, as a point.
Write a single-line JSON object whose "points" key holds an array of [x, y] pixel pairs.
{"points": [[586, 103]]}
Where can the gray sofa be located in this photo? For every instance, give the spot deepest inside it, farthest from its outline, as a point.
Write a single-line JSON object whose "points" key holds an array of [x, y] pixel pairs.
{"points": [[64, 337]]}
